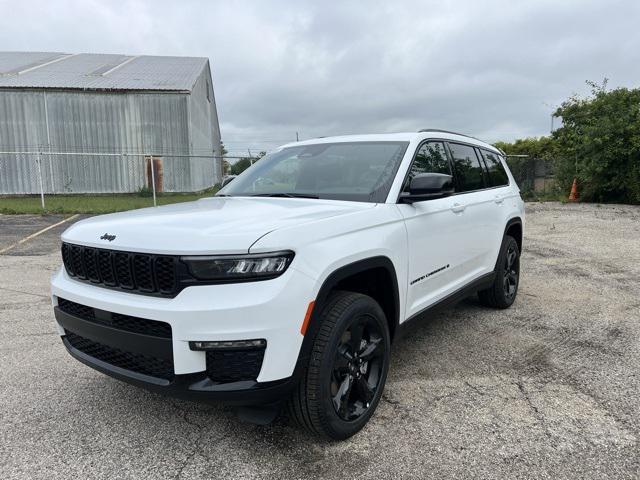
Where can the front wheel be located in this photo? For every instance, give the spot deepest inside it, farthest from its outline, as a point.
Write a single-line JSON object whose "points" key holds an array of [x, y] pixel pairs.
{"points": [[504, 289], [346, 373]]}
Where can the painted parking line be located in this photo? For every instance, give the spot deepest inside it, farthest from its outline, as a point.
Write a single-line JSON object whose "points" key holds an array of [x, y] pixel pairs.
{"points": [[34, 235]]}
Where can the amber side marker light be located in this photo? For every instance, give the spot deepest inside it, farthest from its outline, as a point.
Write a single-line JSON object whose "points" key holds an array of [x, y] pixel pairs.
{"points": [[307, 317]]}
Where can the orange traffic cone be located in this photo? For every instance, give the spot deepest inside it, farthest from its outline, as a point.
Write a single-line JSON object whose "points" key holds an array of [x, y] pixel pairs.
{"points": [[573, 196]]}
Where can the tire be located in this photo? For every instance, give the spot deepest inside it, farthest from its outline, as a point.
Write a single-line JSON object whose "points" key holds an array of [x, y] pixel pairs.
{"points": [[502, 293], [337, 396]]}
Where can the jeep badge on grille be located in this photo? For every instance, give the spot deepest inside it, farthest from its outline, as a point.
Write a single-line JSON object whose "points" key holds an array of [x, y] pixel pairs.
{"points": [[106, 236]]}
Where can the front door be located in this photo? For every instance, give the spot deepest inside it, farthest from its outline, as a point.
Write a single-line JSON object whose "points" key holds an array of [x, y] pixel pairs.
{"points": [[435, 231]]}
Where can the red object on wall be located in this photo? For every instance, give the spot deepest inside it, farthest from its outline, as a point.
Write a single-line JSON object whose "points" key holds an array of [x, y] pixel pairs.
{"points": [[157, 172]]}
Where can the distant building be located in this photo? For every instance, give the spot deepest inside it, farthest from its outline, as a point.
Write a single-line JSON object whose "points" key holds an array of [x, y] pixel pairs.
{"points": [[115, 104]]}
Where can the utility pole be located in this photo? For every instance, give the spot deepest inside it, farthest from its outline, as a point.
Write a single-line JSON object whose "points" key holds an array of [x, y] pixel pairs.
{"points": [[552, 113], [297, 140]]}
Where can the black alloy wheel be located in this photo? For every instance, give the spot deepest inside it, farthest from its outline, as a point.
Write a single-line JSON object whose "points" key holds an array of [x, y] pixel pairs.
{"points": [[502, 292], [356, 370], [345, 375], [511, 271]]}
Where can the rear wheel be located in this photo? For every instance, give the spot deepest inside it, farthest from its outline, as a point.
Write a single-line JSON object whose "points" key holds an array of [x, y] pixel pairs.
{"points": [[504, 289], [346, 373]]}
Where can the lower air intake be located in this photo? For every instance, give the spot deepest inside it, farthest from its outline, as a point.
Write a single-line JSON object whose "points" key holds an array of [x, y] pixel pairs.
{"points": [[135, 362], [227, 366]]}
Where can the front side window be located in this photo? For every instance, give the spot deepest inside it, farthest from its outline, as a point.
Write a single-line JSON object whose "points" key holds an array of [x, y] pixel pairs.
{"points": [[431, 158], [467, 167], [356, 171], [497, 174]]}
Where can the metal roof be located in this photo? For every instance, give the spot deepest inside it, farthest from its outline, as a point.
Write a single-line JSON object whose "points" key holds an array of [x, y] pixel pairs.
{"points": [[93, 71]]}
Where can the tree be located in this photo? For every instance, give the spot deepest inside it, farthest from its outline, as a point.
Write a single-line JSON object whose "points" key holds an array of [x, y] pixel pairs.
{"points": [[225, 163], [244, 163], [600, 144], [240, 166]]}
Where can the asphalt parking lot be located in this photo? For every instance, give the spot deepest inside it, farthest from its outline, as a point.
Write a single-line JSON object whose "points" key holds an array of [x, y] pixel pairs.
{"points": [[547, 389]]}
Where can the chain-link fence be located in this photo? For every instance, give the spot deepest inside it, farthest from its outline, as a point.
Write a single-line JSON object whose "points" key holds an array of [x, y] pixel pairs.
{"points": [[533, 175], [72, 173]]}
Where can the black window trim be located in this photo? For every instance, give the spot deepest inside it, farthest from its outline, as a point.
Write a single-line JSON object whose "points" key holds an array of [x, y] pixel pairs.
{"points": [[450, 158], [415, 154], [480, 162], [500, 159]]}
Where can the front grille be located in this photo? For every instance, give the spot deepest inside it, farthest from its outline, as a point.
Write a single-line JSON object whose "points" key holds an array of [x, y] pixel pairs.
{"points": [[234, 365], [135, 362], [135, 272], [116, 320]]}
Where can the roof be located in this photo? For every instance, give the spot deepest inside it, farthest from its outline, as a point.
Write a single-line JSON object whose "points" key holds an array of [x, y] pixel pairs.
{"points": [[396, 137], [94, 71]]}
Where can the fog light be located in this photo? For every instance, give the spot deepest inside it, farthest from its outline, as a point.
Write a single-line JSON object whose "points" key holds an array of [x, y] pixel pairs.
{"points": [[228, 344]]}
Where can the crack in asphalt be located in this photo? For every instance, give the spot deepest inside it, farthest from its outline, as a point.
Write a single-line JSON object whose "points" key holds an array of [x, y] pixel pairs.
{"points": [[25, 293], [195, 445], [538, 415]]}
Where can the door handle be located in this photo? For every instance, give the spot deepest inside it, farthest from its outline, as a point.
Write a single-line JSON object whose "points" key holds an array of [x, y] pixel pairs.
{"points": [[498, 199], [458, 208]]}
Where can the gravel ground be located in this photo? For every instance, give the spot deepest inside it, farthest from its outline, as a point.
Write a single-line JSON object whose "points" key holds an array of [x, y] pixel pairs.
{"points": [[548, 388]]}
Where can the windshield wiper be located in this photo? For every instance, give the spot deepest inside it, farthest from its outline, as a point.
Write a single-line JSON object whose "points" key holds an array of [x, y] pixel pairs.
{"points": [[287, 195]]}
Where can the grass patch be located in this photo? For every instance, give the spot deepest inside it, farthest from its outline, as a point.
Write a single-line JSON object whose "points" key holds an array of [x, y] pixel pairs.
{"points": [[93, 204], [531, 196]]}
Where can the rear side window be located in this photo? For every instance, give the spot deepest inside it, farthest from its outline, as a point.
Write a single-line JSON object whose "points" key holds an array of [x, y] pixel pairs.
{"points": [[497, 174], [467, 167], [431, 158]]}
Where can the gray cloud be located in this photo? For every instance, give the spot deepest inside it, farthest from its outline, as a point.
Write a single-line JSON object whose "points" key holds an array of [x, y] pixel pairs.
{"points": [[492, 69]]}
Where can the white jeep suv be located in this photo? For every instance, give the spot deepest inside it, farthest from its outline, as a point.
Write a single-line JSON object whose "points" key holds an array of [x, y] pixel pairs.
{"points": [[290, 285]]}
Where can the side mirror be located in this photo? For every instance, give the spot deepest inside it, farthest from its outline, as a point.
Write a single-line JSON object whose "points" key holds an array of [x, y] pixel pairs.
{"points": [[428, 186]]}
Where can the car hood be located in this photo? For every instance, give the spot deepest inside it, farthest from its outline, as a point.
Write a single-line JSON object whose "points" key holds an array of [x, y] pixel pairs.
{"points": [[217, 225]]}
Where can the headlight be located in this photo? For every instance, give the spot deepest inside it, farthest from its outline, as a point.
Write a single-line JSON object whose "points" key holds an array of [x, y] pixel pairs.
{"points": [[238, 268]]}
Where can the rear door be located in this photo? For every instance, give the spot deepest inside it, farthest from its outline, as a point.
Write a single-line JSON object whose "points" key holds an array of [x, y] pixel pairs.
{"points": [[479, 205], [499, 182]]}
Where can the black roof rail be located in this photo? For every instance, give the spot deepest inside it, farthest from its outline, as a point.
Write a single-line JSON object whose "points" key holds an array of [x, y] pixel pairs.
{"points": [[439, 130], [456, 133]]}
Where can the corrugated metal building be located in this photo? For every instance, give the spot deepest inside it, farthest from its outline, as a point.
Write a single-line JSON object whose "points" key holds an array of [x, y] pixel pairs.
{"points": [[106, 104]]}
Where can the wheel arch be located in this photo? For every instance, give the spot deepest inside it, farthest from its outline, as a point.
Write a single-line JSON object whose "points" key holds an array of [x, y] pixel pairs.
{"points": [[380, 269], [514, 229]]}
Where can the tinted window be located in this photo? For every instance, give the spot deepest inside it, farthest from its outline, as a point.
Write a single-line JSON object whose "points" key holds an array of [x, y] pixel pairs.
{"points": [[497, 174], [467, 167], [357, 171], [431, 158]]}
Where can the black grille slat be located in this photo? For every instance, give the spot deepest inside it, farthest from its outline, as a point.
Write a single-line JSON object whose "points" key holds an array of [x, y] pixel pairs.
{"points": [[66, 258], [137, 272], [91, 264], [76, 261], [116, 320], [226, 366], [135, 362], [124, 275], [105, 266], [165, 274], [143, 272]]}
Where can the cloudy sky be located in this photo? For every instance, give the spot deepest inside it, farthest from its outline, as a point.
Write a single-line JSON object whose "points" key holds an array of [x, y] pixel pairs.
{"points": [[492, 69]]}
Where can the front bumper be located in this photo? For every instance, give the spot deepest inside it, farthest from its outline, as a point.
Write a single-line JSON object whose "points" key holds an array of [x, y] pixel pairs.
{"points": [[272, 310], [196, 386]]}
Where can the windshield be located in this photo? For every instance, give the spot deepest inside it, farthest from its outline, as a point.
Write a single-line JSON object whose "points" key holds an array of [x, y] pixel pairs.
{"points": [[357, 171]]}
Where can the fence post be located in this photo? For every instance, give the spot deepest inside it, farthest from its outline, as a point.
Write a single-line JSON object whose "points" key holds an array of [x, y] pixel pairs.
{"points": [[153, 181], [40, 179]]}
